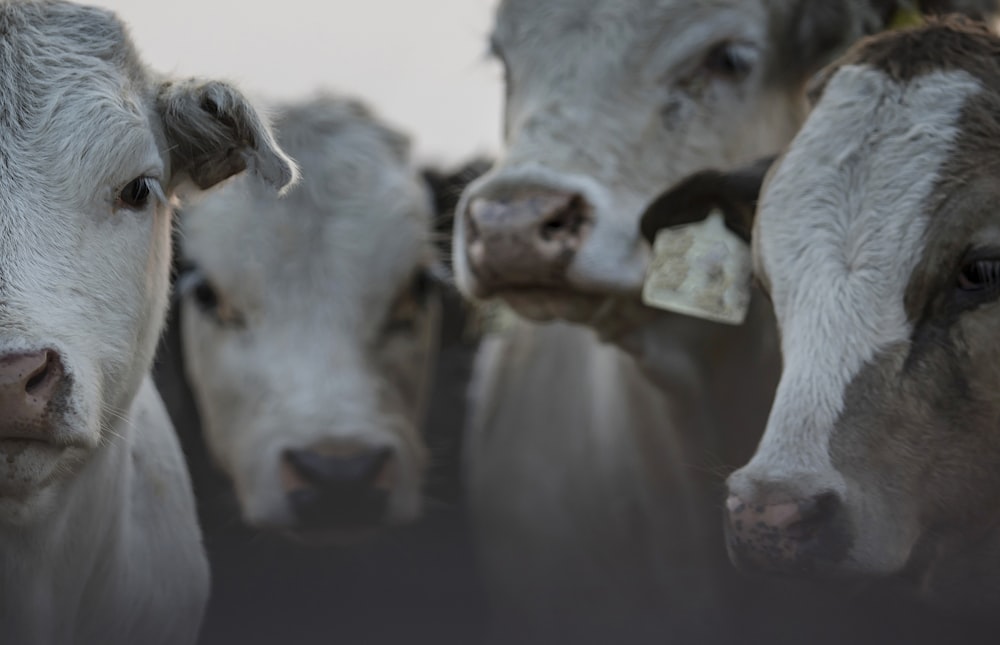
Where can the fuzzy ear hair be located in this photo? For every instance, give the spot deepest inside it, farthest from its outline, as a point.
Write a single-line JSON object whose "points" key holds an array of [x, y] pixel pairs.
{"points": [[734, 193], [214, 133]]}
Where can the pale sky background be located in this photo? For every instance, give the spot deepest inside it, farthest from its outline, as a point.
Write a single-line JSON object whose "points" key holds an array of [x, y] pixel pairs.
{"points": [[421, 65]]}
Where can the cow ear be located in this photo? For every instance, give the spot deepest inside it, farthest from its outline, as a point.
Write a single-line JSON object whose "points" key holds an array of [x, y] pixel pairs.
{"points": [[446, 187], [214, 133], [734, 193]]}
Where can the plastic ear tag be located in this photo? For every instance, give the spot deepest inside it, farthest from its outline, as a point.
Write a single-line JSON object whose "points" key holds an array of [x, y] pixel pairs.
{"points": [[702, 270]]}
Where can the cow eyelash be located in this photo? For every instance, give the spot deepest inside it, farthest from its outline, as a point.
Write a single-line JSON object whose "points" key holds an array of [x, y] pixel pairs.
{"points": [[979, 276], [137, 193], [731, 60]]}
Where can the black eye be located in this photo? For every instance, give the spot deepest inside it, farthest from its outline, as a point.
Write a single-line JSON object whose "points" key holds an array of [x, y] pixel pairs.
{"points": [[731, 60], [980, 276], [136, 193], [411, 303], [205, 296], [193, 285]]}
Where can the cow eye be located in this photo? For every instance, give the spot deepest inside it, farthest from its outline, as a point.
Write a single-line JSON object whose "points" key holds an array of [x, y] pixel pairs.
{"points": [[195, 286], [980, 276], [205, 296], [135, 195], [731, 60], [410, 303]]}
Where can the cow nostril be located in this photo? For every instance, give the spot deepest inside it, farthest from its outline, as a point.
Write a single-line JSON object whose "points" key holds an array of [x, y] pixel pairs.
{"points": [[814, 515], [43, 374], [566, 222]]}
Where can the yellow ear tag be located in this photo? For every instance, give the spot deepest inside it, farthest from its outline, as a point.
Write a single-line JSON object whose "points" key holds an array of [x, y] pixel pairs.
{"points": [[702, 270], [905, 17]]}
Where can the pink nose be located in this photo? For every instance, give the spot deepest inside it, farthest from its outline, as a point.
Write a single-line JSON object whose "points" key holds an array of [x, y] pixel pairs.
{"points": [[28, 383], [785, 536], [525, 238]]}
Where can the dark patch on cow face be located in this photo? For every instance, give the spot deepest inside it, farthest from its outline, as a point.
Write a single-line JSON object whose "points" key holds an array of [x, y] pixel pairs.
{"points": [[920, 428], [734, 193]]}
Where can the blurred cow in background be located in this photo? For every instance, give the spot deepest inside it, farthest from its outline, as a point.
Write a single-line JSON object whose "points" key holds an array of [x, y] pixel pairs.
{"points": [[328, 356]]}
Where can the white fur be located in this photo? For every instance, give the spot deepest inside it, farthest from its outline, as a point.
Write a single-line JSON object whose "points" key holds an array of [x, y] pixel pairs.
{"points": [[99, 541], [839, 230], [591, 120], [315, 276]]}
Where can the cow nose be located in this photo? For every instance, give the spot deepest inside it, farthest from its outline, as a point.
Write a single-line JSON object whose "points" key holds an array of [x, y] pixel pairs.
{"points": [[28, 383], [787, 536], [338, 491], [526, 238]]}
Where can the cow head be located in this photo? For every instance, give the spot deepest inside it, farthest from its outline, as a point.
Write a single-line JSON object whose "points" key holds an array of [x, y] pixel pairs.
{"points": [[877, 237], [609, 101], [310, 327], [92, 148]]}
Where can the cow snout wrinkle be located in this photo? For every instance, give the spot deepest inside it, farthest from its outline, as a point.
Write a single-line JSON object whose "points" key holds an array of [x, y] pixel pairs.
{"points": [[29, 382], [335, 491], [525, 239], [789, 536]]}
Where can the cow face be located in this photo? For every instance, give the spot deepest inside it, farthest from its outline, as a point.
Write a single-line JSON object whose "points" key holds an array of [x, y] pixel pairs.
{"points": [[309, 326], [877, 235], [609, 101], [91, 149]]}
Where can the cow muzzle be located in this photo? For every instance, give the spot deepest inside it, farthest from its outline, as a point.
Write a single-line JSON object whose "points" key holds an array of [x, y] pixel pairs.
{"points": [[802, 534], [524, 238], [331, 491], [30, 384]]}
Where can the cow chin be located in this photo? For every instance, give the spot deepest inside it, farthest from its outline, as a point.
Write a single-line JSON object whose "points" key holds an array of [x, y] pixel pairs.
{"points": [[547, 305], [30, 469]]}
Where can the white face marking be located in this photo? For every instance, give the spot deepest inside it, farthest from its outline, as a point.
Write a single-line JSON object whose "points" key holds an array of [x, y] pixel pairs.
{"points": [[624, 110], [840, 228], [315, 276]]}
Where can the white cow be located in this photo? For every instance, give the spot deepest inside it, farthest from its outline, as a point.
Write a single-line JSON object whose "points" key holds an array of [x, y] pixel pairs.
{"points": [[98, 537], [310, 326], [596, 495]]}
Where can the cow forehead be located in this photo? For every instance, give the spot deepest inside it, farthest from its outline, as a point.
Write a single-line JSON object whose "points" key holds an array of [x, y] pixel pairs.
{"points": [[842, 225], [353, 229], [850, 194], [627, 30], [72, 90]]}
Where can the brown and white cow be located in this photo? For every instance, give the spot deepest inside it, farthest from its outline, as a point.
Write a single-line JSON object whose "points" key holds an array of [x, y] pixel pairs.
{"points": [[878, 237], [99, 541], [570, 444]]}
